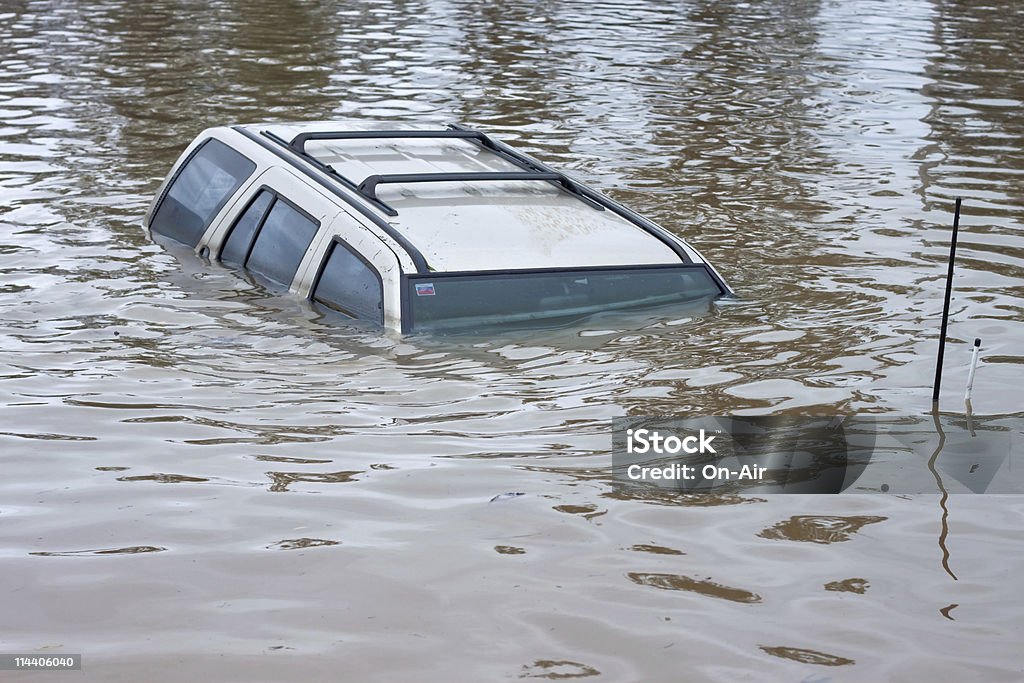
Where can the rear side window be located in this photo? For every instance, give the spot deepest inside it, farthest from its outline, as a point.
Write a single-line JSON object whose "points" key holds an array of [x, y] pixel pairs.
{"points": [[201, 189], [350, 286], [270, 238]]}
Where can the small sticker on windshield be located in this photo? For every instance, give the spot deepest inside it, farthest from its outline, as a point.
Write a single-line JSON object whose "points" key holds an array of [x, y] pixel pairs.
{"points": [[425, 289]]}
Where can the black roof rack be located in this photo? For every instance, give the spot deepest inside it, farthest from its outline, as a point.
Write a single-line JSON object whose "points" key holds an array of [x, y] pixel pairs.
{"points": [[298, 145], [532, 170]]}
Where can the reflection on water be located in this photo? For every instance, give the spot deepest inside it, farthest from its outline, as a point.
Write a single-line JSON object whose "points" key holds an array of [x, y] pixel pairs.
{"points": [[858, 586], [301, 543], [656, 549], [675, 582], [819, 528], [163, 478], [283, 480], [131, 550], [811, 150], [558, 669], [509, 550], [807, 656]]}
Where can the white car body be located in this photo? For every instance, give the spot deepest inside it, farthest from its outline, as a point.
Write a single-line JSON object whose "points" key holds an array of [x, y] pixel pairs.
{"points": [[405, 201]]}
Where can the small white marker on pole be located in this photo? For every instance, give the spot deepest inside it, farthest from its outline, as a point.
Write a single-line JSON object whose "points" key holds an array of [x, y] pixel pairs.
{"points": [[974, 366]]}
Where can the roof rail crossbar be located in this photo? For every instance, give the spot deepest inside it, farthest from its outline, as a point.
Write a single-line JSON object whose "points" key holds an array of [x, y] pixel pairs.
{"points": [[585, 193], [368, 187], [298, 143]]}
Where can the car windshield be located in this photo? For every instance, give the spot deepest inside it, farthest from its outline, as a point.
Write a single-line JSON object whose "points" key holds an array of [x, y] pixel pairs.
{"points": [[449, 301]]}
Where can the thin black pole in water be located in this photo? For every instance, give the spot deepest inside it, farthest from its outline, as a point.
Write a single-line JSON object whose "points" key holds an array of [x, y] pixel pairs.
{"points": [[945, 306]]}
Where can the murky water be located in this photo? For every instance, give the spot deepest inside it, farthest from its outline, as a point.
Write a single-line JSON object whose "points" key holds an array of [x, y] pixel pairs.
{"points": [[202, 481]]}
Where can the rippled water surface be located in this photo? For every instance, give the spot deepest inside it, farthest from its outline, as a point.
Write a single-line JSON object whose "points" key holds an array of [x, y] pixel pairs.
{"points": [[204, 481]]}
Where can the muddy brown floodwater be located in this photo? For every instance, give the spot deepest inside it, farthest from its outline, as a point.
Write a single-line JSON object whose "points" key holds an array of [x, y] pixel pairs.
{"points": [[203, 481]]}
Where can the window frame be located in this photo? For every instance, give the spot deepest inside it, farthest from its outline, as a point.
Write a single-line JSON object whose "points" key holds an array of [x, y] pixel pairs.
{"points": [[276, 197], [242, 186], [338, 241]]}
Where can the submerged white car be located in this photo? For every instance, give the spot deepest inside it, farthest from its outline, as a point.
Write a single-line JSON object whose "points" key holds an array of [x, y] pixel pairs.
{"points": [[418, 229]]}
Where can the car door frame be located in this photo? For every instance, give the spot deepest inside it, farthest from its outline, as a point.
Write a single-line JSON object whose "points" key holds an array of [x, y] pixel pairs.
{"points": [[368, 246], [287, 186]]}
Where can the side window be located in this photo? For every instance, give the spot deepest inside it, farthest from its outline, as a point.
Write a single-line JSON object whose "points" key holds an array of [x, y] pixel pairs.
{"points": [[270, 238], [239, 242], [201, 189], [350, 286], [281, 243]]}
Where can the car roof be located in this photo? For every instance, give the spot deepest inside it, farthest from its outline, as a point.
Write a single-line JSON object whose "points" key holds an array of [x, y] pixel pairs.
{"points": [[475, 223]]}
